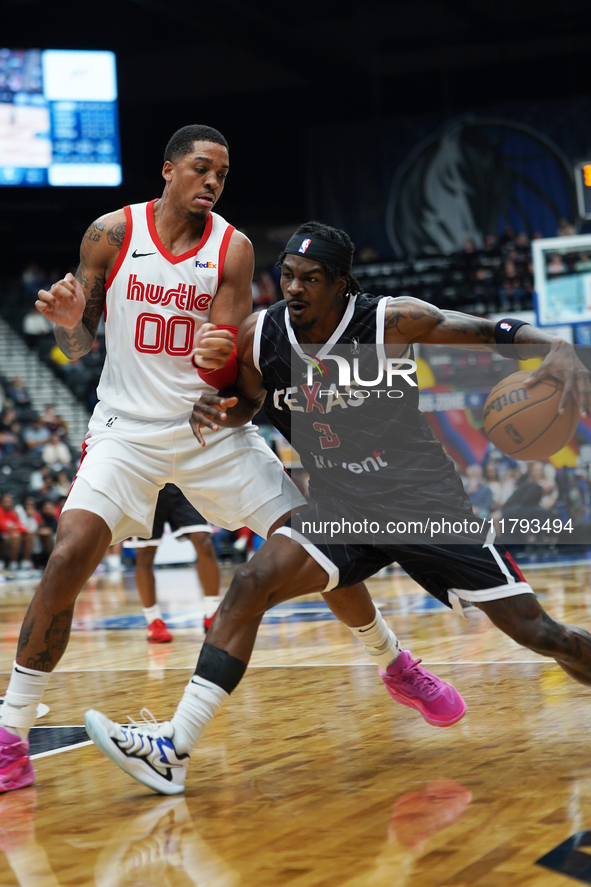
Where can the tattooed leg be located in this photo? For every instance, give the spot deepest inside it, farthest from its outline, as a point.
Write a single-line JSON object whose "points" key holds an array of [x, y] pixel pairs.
{"points": [[523, 619], [82, 540]]}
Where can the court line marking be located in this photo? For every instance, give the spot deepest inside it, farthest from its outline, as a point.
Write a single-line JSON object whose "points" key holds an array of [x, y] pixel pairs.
{"points": [[57, 751], [317, 665]]}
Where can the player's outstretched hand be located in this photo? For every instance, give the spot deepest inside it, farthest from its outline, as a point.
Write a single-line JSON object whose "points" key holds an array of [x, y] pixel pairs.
{"points": [[208, 411], [64, 303], [562, 363], [212, 347]]}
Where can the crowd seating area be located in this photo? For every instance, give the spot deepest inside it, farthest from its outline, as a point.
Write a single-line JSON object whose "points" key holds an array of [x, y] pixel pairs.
{"points": [[527, 502], [36, 470], [18, 309], [498, 277]]}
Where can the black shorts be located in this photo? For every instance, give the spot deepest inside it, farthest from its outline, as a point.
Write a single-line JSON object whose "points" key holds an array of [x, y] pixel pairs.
{"points": [[174, 509], [452, 573]]}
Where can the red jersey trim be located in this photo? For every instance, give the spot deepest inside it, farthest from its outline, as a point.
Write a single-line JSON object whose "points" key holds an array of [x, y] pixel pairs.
{"points": [[174, 260], [223, 250], [122, 251]]}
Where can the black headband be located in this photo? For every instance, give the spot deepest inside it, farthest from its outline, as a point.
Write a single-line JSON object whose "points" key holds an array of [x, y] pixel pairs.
{"points": [[311, 246]]}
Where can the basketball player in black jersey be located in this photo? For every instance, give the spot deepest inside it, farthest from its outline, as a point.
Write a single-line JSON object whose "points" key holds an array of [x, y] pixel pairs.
{"points": [[195, 168], [325, 307]]}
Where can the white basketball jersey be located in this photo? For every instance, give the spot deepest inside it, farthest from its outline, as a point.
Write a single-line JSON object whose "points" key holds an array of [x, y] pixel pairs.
{"points": [[153, 299]]}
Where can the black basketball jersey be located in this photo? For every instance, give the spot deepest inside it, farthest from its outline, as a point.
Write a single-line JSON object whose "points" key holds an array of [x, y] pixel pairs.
{"points": [[372, 446]]}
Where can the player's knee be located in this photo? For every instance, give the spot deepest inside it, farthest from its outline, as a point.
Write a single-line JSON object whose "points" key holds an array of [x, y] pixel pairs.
{"points": [[204, 546], [249, 592], [73, 559]]}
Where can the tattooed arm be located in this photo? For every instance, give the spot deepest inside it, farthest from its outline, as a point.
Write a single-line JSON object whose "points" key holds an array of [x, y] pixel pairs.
{"points": [[75, 304], [411, 320]]}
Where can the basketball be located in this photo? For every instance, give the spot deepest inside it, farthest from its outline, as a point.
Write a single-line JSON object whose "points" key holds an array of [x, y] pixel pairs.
{"points": [[524, 422]]}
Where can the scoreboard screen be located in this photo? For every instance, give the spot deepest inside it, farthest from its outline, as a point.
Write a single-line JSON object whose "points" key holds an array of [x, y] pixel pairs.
{"points": [[58, 118], [583, 180]]}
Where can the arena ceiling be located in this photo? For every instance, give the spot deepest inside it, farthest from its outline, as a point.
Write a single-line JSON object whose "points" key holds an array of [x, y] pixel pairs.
{"points": [[179, 49]]}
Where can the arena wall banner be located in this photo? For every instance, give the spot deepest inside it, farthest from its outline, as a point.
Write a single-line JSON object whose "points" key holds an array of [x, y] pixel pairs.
{"points": [[423, 185]]}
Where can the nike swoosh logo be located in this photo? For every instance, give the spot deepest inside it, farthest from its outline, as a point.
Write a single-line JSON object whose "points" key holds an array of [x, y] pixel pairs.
{"points": [[362, 630], [136, 255], [199, 684]]}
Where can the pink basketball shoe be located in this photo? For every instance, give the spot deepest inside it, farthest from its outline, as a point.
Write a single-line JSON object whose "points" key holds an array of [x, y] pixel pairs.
{"points": [[439, 703], [16, 770]]}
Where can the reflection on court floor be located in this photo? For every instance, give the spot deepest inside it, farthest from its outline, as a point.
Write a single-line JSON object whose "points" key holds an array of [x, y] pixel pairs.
{"points": [[311, 775]]}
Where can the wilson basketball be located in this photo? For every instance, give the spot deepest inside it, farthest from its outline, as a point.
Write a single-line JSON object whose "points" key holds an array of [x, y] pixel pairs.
{"points": [[524, 422]]}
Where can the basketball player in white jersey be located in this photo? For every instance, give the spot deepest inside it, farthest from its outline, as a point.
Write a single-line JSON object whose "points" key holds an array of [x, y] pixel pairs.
{"points": [[174, 280]]}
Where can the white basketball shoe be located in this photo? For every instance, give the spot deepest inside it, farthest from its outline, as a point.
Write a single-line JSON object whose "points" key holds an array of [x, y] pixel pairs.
{"points": [[146, 750]]}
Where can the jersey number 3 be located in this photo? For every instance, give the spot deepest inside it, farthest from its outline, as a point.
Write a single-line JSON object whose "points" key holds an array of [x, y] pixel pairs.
{"points": [[327, 437]]}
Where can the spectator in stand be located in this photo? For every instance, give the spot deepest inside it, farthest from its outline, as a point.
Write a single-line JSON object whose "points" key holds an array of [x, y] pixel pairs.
{"points": [[565, 228], [63, 482], [485, 288], [36, 435], [367, 253], [266, 292], [522, 243], [48, 521], [491, 245], [534, 498], [491, 478], [479, 493], [35, 328], [17, 392], [30, 518], [509, 482], [7, 417], [32, 278], [508, 236], [583, 263], [468, 259], [512, 290], [50, 490], [53, 422], [11, 439], [17, 542], [556, 266], [38, 480], [55, 453], [574, 501]]}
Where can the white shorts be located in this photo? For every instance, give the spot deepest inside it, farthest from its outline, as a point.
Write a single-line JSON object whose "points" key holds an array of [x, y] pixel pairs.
{"points": [[234, 481]]}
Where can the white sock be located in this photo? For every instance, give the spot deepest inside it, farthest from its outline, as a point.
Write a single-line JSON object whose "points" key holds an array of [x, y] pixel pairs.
{"points": [[152, 613], [24, 693], [199, 704], [210, 604], [380, 641]]}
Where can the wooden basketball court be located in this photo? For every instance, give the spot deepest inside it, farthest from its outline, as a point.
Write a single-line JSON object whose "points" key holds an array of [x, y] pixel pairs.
{"points": [[311, 776]]}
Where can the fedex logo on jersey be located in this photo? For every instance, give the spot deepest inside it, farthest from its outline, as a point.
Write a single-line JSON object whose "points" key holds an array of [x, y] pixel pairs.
{"points": [[185, 298], [205, 265], [305, 244]]}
